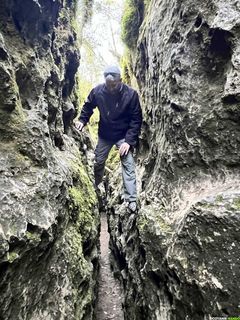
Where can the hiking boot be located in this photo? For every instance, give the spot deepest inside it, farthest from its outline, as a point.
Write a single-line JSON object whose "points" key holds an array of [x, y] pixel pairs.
{"points": [[132, 206]]}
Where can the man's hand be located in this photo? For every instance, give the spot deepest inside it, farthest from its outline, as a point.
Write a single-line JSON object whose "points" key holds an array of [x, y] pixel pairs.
{"points": [[79, 125], [124, 148]]}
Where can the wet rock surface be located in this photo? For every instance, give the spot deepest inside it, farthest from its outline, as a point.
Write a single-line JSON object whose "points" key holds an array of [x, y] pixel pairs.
{"points": [[49, 225], [178, 257]]}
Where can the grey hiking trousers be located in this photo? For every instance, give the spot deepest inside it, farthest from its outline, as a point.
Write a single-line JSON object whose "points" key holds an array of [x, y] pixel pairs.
{"points": [[128, 167]]}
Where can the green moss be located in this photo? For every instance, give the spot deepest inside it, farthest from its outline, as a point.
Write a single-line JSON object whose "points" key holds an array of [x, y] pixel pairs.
{"points": [[20, 116], [206, 204], [20, 158], [75, 25], [63, 16], [162, 224], [221, 202], [131, 21], [84, 206], [219, 198], [146, 6], [11, 111], [93, 125], [125, 66], [84, 183], [236, 203], [79, 268], [147, 3], [83, 200], [33, 236], [80, 234], [113, 159], [13, 229], [142, 222], [74, 243], [156, 220], [12, 256]]}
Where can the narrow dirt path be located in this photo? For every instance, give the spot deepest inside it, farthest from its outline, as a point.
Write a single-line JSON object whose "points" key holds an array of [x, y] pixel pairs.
{"points": [[109, 305]]}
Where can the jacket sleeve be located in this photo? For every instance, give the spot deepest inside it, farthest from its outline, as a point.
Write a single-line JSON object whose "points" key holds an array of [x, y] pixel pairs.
{"points": [[87, 109], [135, 121]]}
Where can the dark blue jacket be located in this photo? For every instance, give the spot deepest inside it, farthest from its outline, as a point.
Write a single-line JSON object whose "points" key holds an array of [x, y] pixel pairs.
{"points": [[120, 114]]}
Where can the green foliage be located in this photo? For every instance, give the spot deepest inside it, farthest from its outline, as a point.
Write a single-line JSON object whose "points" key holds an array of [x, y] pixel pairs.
{"points": [[126, 67], [131, 21]]}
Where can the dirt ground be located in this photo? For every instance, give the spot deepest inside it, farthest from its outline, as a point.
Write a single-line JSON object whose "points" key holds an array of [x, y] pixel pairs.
{"points": [[109, 305]]}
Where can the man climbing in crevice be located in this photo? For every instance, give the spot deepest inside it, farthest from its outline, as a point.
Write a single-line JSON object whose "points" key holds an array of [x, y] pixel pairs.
{"points": [[120, 124]]}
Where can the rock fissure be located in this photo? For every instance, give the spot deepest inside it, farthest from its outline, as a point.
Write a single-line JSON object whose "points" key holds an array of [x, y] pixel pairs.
{"points": [[178, 257]]}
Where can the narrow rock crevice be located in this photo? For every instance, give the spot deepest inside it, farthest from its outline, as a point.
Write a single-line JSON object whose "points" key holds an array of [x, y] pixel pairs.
{"points": [[109, 304]]}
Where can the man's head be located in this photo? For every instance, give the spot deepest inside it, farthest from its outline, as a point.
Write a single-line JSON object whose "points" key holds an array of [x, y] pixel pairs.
{"points": [[113, 79]]}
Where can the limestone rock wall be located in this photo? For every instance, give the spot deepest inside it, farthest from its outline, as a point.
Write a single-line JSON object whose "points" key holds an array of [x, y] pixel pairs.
{"points": [[48, 219], [179, 257]]}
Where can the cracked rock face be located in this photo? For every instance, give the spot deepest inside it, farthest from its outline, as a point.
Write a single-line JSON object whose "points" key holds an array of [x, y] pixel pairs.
{"points": [[48, 221], [179, 257]]}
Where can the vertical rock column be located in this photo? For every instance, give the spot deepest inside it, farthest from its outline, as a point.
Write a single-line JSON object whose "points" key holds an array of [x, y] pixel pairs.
{"points": [[48, 219], [179, 257]]}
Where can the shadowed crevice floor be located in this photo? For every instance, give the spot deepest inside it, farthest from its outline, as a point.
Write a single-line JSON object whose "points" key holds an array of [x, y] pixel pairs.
{"points": [[109, 306]]}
